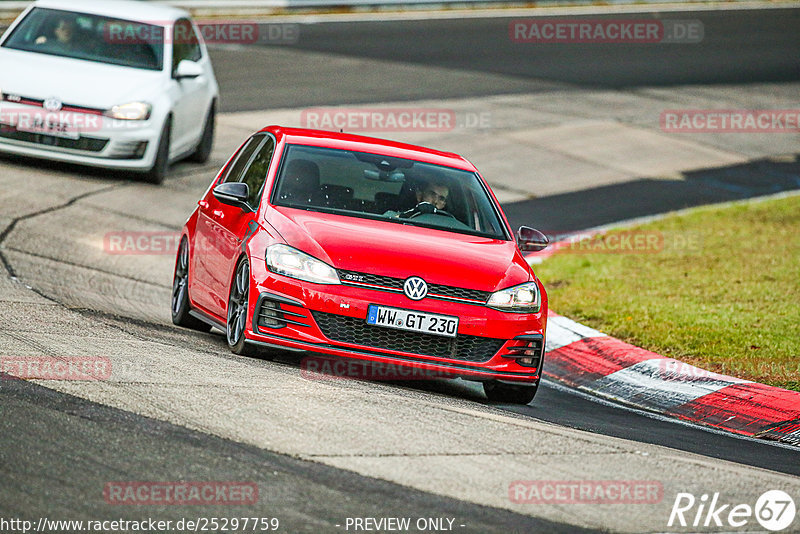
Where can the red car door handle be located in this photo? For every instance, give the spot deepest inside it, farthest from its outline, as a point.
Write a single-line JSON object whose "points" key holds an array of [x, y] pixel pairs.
{"points": [[219, 214], [202, 203]]}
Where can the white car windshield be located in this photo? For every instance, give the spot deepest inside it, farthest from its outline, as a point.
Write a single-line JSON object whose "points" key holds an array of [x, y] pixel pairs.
{"points": [[375, 186], [90, 37]]}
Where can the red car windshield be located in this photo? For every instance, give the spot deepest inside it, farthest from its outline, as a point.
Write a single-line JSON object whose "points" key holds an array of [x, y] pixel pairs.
{"points": [[380, 187]]}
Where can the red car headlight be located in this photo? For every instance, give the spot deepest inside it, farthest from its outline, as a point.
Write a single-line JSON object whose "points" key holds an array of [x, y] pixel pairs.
{"points": [[288, 261], [524, 298]]}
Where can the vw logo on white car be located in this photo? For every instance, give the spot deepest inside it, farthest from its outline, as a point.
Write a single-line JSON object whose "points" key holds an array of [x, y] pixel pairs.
{"points": [[415, 288], [52, 104]]}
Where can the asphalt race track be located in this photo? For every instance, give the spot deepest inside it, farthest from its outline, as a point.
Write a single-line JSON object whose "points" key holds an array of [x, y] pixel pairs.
{"points": [[475, 57], [307, 497], [184, 408]]}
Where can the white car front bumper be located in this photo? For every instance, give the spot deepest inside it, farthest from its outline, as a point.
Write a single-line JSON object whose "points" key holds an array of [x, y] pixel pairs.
{"points": [[97, 141]]}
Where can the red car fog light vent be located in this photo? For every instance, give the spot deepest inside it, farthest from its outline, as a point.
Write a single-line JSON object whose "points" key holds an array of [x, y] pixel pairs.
{"points": [[271, 312], [527, 350]]}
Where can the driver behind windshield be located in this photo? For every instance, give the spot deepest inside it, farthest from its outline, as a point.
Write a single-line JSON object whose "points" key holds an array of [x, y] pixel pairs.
{"points": [[433, 192], [63, 35]]}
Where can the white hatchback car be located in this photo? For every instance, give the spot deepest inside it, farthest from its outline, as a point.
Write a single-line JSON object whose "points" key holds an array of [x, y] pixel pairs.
{"points": [[118, 84]]}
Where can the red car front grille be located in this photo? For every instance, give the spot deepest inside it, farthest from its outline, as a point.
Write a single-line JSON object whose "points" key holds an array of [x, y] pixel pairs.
{"points": [[356, 331]]}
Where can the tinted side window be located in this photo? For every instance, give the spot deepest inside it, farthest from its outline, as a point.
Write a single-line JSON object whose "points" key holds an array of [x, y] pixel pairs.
{"points": [[238, 166], [256, 173], [185, 44]]}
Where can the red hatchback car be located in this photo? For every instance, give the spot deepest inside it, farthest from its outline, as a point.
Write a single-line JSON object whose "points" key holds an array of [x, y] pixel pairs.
{"points": [[363, 248]]}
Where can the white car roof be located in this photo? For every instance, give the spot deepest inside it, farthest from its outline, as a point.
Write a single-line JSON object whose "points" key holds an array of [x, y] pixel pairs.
{"points": [[124, 9]]}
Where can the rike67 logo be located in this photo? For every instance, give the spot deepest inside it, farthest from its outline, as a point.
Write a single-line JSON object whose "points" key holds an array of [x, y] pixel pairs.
{"points": [[774, 511]]}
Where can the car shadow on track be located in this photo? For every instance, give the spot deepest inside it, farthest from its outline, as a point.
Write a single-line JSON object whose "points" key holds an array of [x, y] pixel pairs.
{"points": [[580, 210], [461, 389]]}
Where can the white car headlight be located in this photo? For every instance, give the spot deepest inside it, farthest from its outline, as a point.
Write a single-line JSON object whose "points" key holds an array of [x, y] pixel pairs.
{"points": [[522, 298], [288, 261], [133, 111]]}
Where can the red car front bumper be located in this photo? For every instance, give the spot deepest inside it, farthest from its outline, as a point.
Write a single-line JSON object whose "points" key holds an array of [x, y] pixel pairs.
{"points": [[331, 319]]}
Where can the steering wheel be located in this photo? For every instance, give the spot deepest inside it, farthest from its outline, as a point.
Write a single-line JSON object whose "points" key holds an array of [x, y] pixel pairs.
{"points": [[424, 208]]}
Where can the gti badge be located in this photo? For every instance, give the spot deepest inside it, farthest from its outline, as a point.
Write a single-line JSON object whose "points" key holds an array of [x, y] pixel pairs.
{"points": [[415, 288], [52, 104]]}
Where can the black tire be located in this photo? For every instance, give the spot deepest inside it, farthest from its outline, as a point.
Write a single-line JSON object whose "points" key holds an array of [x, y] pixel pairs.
{"points": [[180, 292], [508, 393], [160, 166], [238, 305], [203, 150]]}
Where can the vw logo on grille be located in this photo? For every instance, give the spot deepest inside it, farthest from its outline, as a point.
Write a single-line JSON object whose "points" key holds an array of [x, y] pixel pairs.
{"points": [[52, 104], [415, 288]]}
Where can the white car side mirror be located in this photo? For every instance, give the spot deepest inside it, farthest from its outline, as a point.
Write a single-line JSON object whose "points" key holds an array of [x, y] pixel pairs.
{"points": [[188, 69]]}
